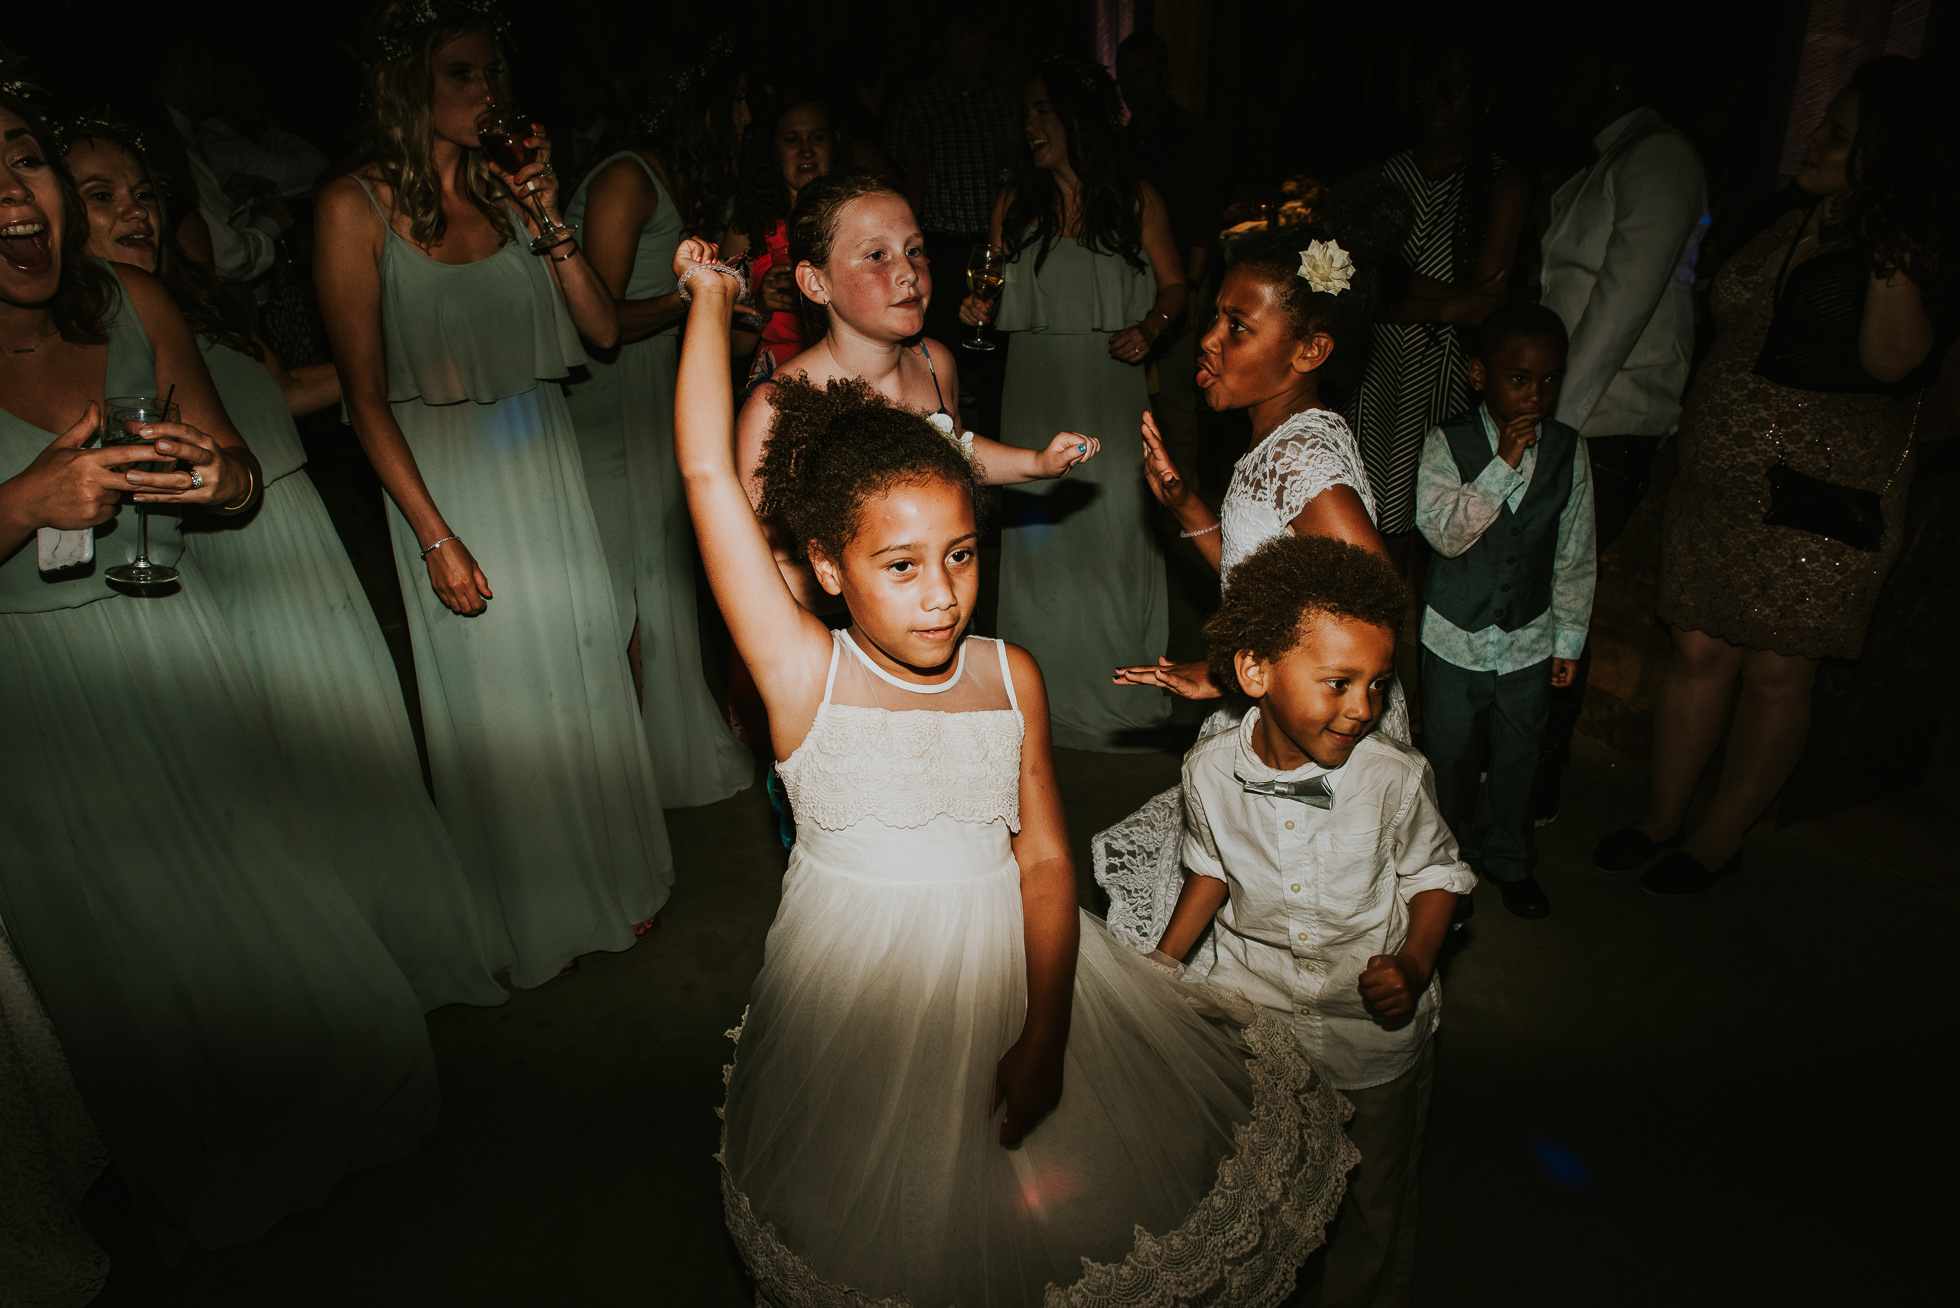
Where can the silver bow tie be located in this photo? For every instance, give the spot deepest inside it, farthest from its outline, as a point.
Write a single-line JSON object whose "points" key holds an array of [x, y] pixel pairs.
{"points": [[1307, 790]]}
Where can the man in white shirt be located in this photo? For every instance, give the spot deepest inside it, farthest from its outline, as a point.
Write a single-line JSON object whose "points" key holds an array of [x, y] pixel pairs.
{"points": [[1618, 267], [1320, 850], [244, 246]]}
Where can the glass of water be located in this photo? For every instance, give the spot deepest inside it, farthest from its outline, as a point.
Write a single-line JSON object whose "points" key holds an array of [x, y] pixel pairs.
{"points": [[121, 416]]}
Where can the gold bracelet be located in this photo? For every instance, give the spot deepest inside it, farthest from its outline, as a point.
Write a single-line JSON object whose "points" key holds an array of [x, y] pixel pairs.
{"points": [[251, 488]]}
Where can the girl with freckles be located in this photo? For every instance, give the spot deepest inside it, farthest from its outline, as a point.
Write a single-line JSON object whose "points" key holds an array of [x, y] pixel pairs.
{"points": [[952, 1086], [451, 336], [236, 1029]]}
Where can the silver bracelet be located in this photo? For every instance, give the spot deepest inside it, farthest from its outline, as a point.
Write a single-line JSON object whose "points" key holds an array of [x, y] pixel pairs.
{"points": [[438, 545], [1202, 531], [727, 269]]}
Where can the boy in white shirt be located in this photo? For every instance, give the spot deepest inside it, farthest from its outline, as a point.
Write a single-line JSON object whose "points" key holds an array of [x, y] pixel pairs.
{"points": [[1320, 851]]}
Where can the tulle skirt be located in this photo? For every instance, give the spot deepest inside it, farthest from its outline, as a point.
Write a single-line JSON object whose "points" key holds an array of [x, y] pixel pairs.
{"points": [[1195, 1151]]}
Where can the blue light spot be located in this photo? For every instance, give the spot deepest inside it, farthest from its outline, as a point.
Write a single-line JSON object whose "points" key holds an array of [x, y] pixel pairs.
{"points": [[1562, 1165]]}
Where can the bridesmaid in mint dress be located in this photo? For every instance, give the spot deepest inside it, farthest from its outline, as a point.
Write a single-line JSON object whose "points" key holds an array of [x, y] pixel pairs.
{"points": [[1094, 278], [451, 337], [624, 410], [237, 1031], [303, 626]]}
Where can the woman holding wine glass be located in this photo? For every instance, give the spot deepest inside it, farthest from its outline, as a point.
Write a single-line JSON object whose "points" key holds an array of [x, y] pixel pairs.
{"points": [[237, 1031], [1093, 278], [631, 213], [297, 612], [451, 337]]}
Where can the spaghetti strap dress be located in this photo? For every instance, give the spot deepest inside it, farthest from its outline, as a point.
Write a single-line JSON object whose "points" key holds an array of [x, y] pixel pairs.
{"points": [[1081, 576], [334, 704], [624, 411], [1195, 1154], [540, 766], [236, 1029]]}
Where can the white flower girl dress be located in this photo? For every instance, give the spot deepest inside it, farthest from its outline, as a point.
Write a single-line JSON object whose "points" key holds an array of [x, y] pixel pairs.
{"points": [[1195, 1155]]}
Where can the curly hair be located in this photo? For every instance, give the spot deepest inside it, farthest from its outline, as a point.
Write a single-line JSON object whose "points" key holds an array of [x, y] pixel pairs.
{"points": [[1085, 99], [87, 290], [813, 227], [1516, 320], [1347, 318], [1275, 595], [1901, 166], [830, 451]]}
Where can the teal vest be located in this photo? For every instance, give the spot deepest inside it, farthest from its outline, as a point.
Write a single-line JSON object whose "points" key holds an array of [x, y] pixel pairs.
{"points": [[1505, 579]]}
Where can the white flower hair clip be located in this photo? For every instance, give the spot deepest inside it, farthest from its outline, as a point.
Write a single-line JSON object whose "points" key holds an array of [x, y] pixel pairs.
{"points": [[1325, 266], [943, 424]]}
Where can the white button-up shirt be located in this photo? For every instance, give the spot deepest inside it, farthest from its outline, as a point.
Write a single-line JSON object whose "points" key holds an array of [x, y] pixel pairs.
{"points": [[1619, 268], [1315, 893]]}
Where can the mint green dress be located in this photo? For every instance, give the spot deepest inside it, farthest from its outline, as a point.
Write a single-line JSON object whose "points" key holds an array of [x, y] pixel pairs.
{"points": [[540, 768], [1081, 575], [314, 651], [624, 411], [236, 1029]]}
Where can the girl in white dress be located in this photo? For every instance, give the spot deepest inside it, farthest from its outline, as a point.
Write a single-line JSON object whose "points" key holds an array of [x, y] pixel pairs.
{"points": [[930, 992], [1292, 333]]}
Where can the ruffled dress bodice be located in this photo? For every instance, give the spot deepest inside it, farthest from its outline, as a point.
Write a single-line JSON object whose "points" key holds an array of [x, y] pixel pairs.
{"points": [[1076, 291], [1275, 479], [478, 331], [257, 407]]}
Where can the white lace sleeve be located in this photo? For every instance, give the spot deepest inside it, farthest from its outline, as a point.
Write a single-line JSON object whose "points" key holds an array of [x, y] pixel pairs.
{"points": [[1310, 452]]}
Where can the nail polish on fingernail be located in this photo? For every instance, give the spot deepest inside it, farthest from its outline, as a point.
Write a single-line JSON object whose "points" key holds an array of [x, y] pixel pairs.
{"points": [[163, 447]]}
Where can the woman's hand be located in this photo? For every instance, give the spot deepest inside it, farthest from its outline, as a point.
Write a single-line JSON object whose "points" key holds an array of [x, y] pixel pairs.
{"points": [[536, 180], [1065, 451], [212, 479], [1159, 473], [1029, 1081], [1132, 344], [457, 580], [976, 312], [70, 488], [1189, 680]]}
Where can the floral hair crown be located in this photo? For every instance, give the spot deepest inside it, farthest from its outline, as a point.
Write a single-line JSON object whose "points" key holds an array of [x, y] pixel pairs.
{"points": [[14, 81], [1325, 266], [714, 54], [101, 127], [1093, 78], [404, 30]]}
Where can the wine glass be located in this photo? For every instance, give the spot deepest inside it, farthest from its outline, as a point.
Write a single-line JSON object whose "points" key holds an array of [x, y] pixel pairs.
{"points": [[986, 274], [503, 134], [121, 413]]}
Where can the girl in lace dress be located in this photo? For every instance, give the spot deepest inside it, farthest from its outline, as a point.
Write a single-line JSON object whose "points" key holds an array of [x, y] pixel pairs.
{"points": [[1292, 333], [951, 1087]]}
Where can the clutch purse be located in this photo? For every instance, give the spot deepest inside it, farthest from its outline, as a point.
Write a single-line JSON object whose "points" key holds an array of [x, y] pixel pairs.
{"points": [[1850, 514]]}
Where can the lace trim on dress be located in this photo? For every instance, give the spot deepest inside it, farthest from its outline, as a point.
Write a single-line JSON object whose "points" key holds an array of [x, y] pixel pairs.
{"points": [[1240, 1246], [1304, 456], [906, 767]]}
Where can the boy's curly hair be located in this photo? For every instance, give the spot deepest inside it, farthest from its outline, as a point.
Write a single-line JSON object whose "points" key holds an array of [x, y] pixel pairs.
{"points": [[831, 450], [1289, 581]]}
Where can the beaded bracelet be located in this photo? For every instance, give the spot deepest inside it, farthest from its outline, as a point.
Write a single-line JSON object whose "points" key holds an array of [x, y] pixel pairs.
{"points": [[727, 269], [1202, 531]]}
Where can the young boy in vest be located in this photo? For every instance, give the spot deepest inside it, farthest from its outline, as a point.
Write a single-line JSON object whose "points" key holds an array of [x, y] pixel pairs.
{"points": [[1316, 843], [1504, 496]]}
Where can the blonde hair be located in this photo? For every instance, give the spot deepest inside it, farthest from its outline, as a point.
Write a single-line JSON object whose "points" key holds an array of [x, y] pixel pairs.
{"points": [[399, 138]]}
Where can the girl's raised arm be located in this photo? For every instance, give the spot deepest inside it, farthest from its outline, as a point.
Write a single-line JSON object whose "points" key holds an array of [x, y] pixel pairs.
{"points": [[786, 648]]}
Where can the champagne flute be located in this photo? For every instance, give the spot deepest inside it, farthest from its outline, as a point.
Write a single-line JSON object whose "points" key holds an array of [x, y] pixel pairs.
{"points": [[502, 133], [122, 413], [986, 274]]}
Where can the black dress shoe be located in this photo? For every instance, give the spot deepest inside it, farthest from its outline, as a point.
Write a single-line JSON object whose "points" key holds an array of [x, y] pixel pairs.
{"points": [[1629, 847], [1525, 897], [1681, 873]]}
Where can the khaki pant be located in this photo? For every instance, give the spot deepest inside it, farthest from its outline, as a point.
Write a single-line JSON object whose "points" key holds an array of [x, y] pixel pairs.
{"points": [[1369, 1260]]}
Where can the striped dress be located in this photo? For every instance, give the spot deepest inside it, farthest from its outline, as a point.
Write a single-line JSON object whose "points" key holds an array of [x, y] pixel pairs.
{"points": [[1417, 375]]}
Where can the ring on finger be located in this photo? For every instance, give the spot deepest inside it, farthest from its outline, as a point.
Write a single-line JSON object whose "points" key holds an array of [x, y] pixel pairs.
{"points": [[197, 479]]}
